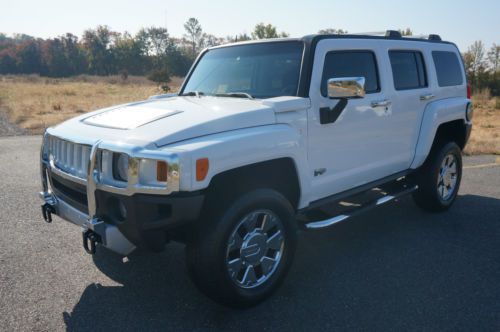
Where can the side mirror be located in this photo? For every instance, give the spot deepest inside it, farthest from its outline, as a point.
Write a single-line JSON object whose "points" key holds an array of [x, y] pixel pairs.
{"points": [[346, 87]]}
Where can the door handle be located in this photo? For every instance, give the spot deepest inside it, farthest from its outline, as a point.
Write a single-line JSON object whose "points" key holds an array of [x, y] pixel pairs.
{"points": [[381, 103], [427, 96]]}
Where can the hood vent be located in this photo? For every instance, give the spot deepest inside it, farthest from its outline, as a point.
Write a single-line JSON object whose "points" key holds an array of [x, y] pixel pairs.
{"points": [[128, 117]]}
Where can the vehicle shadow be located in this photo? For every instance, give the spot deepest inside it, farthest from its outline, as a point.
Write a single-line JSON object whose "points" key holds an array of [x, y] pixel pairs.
{"points": [[394, 268]]}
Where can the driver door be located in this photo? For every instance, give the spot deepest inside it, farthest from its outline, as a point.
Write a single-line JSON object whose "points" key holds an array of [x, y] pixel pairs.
{"points": [[361, 144]]}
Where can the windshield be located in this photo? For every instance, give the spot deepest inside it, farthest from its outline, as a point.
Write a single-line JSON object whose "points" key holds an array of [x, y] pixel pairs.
{"points": [[263, 70]]}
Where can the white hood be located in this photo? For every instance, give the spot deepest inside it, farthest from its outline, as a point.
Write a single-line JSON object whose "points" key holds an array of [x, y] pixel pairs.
{"points": [[164, 121], [128, 117]]}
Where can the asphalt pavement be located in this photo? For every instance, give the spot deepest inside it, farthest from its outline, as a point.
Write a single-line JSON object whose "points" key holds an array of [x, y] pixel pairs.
{"points": [[394, 268]]}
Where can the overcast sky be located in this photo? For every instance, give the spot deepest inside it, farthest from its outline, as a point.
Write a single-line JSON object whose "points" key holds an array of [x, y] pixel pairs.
{"points": [[459, 21]]}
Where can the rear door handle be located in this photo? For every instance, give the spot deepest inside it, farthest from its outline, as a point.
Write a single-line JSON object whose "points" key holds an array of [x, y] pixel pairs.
{"points": [[381, 103], [427, 96]]}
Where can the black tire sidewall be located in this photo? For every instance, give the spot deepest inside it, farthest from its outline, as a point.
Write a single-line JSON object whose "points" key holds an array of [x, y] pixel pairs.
{"points": [[208, 254], [450, 148], [428, 196]]}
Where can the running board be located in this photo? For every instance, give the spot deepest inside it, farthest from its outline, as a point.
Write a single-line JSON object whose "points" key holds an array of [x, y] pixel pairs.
{"points": [[364, 208]]}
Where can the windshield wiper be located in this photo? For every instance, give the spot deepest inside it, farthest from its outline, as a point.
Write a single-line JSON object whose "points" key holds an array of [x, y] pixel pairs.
{"points": [[193, 93], [235, 95]]}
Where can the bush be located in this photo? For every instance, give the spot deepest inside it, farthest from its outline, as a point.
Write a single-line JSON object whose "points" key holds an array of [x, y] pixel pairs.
{"points": [[160, 76], [482, 97], [124, 75]]}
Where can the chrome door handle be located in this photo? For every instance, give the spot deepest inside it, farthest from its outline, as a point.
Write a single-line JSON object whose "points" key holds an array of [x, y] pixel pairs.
{"points": [[381, 103], [427, 96]]}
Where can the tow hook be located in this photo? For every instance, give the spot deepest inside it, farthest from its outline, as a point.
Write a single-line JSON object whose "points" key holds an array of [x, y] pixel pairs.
{"points": [[90, 240], [47, 211]]}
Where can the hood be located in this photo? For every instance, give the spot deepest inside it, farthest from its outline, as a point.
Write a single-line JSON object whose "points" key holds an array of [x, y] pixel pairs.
{"points": [[165, 121]]}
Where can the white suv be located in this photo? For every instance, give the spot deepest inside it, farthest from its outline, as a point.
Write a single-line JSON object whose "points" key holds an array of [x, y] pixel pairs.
{"points": [[264, 138]]}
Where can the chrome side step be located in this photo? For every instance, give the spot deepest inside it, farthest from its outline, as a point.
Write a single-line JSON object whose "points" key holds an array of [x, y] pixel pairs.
{"points": [[364, 208]]}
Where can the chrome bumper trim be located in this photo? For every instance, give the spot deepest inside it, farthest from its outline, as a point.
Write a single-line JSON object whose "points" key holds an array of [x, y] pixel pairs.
{"points": [[111, 236]]}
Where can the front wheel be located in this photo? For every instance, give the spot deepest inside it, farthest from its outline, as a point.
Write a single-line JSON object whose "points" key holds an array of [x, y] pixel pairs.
{"points": [[242, 255], [439, 178]]}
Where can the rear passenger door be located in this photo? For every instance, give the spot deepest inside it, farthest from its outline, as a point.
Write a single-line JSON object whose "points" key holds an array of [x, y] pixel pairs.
{"points": [[409, 93]]}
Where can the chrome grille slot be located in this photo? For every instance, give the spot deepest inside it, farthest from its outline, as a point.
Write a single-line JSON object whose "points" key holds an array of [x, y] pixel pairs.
{"points": [[69, 157]]}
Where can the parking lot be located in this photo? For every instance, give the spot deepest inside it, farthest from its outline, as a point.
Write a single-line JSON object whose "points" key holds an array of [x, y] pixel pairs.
{"points": [[395, 268]]}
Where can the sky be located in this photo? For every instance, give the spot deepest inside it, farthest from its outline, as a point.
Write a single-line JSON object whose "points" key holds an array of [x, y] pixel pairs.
{"points": [[459, 21]]}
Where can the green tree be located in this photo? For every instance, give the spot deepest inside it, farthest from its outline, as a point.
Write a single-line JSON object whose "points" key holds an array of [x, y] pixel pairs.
{"points": [[475, 64], [237, 38], [331, 31], [29, 57], [194, 33], [406, 32], [494, 63], [128, 54], [158, 44], [97, 45], [208, 40], [8, 62], [265, 31], [54, 60], [494, 58]]}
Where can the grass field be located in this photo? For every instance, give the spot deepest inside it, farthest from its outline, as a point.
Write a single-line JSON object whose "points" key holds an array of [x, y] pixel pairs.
{"points": [[35, 103], [485, 136]]}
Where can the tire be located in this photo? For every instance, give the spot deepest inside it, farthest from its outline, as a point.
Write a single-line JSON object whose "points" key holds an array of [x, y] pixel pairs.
{"points": [[437, 191], [240, 239]]}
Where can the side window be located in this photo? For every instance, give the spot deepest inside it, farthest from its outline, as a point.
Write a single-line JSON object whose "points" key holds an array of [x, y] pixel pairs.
{"points": [[351, 64], [448, 69], [408, 70]]}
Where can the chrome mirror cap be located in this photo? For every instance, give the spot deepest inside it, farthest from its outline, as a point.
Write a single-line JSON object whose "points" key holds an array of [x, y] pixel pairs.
{"points": [[346, 87]]}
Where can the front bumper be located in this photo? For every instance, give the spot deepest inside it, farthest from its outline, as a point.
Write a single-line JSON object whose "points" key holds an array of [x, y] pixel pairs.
{"points": [[110, 235], [121, 219]]}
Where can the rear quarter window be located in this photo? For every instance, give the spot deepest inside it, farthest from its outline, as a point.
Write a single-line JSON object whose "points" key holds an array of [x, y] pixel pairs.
{"points": [[408, 70], [448, 68]]}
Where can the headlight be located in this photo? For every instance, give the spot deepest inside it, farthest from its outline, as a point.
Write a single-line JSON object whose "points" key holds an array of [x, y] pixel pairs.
{"points": [[120, 167]]}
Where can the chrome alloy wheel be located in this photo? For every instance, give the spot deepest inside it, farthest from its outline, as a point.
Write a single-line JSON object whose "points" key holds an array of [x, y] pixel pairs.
{"points": [[255, 248], [447, 178]]}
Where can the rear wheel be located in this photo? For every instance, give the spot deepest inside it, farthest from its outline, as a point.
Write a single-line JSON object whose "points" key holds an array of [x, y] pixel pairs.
{"points": [[439, 178], [243, 253]]}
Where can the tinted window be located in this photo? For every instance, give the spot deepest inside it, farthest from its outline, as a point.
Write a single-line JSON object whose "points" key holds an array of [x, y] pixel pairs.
{"points": [[351, 64], [408, 70], [262, 70], [448, 69]]}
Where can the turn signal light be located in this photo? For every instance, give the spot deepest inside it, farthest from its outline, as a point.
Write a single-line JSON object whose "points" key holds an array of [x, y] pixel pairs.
{"points": [[161, 171], [201, 169]]}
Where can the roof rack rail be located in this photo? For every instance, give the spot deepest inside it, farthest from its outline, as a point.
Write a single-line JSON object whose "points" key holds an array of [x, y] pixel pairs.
{"points": [[393, 34], [396, 34], [434, 37]]}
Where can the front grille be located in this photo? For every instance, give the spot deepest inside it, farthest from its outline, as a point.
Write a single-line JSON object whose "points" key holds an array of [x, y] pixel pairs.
{"points": [[72, 193], [69, 157]]}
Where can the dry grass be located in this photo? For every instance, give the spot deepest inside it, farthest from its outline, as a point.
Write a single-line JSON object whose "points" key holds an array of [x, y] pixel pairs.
{"points": [[485, 136], [34, 102]]}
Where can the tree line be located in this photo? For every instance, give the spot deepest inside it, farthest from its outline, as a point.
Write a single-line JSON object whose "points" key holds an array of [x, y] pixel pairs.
{"points": [[483, 67], [154, 53], [151, 52]]}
